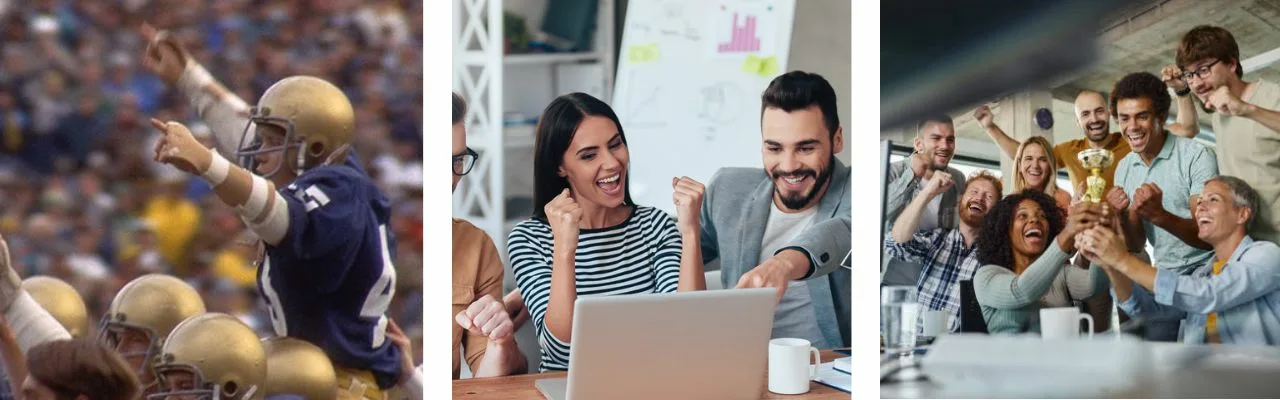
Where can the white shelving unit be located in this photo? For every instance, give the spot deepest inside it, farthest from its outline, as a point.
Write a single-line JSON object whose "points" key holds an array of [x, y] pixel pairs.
{"points": [[496, 84]]}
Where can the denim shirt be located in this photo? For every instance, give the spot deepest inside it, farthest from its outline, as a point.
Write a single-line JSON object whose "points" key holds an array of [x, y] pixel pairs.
{"points": [[1246, 296]]}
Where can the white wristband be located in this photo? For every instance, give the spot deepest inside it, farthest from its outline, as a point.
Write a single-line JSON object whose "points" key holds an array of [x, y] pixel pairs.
{"points": [[218, 170]]}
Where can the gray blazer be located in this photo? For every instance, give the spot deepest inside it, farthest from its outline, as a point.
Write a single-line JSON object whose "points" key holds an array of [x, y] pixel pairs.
{"points": [[734, 214], [903, 186]]}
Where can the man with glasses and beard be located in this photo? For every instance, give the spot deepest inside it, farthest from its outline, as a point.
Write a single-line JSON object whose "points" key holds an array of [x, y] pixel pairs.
{"points": [[482, 329], [935, 144], [786, 226], [1245, 117]]}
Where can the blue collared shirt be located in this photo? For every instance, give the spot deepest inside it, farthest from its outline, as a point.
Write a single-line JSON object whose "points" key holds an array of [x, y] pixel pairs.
{"points": [[1180, 170], [1246, 296]]}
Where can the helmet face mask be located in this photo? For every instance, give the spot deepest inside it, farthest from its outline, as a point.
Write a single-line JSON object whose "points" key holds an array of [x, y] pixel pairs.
{"points": [[252, 145], [111, 333], [313, 117], [184, 381]]}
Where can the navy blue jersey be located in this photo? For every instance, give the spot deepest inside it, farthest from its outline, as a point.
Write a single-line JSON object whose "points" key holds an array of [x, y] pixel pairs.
{"points": [[330, 279]]}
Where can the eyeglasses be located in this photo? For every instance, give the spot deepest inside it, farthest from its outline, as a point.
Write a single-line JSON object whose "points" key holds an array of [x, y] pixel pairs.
{"points": [[462, 163], [1202, 72]]}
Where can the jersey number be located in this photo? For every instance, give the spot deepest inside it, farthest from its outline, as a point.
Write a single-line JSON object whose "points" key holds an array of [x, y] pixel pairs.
{"points": [[375, 303], [379, 298], [278, 323], [311, 198]]}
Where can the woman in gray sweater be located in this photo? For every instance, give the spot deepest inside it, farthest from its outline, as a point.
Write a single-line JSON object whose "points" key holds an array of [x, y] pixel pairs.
{"points": [[1025, 254]]}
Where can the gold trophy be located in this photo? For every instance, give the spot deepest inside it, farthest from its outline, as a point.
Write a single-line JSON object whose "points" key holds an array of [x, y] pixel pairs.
{"points": [[1095, 160]]}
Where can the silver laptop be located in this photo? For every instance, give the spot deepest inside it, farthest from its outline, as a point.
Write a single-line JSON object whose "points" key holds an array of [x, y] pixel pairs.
{"points": [[694, 345]]}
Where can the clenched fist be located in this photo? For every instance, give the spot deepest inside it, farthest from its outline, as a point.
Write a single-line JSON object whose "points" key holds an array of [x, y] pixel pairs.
{"points": [[687, 196], [984, 116], [940, 183], [1221, 100], [564, 214], [1172, 77], [1148, 201], [486, 317], [1117, 199], [177, 147]]}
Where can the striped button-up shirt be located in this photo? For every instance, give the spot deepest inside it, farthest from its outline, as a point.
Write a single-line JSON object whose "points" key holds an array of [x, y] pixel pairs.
{"points": [[946, 261]]}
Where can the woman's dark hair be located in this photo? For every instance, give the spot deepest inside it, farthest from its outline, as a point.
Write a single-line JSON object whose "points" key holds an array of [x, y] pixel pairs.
{"points": [[82, 367], [993, 240], [556, 127]]}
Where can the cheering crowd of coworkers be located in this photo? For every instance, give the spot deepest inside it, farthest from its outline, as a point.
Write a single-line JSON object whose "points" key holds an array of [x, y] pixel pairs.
{"points": [[783, 226], [1211, 217]]}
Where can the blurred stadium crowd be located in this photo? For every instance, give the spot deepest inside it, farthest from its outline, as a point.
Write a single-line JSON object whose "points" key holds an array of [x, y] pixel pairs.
{"points": [[82, 199]]}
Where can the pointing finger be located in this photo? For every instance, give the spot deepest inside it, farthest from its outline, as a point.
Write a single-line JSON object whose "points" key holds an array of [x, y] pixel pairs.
{"points": [[158, 124]]}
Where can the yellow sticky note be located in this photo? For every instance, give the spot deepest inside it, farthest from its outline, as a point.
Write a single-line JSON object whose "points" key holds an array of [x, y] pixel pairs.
{"points": [[768, 67], [761, 66], [752, 64], [643, 53]]}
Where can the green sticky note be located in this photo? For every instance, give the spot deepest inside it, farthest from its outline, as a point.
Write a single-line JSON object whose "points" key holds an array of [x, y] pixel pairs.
{"points": [[752, 64], [643, 53], [768, 67]]}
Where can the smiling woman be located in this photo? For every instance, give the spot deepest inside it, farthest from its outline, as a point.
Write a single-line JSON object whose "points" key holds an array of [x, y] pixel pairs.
{"points": [[1025, 251], [587, 236]]}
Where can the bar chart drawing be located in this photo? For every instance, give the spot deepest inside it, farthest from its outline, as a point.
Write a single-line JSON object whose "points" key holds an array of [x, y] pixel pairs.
{"points": [[743, 37]]}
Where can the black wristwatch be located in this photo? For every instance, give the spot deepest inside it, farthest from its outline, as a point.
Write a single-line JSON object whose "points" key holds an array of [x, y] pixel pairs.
{"points": [[1184, 92]]}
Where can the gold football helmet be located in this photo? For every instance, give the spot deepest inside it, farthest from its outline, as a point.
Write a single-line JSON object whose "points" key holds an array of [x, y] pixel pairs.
{"points": [[316, 117], [148, 307], [299, 368], [62, 301], [212, 356]]}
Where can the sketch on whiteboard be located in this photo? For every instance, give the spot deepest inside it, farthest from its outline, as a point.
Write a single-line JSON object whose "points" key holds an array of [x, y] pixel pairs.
{"points": [[721, 102], [638, 107], [673, 22], [743, 29]]}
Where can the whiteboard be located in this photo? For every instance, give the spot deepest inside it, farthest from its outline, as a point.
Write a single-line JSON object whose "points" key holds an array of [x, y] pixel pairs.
{"points": [[690, 75]]}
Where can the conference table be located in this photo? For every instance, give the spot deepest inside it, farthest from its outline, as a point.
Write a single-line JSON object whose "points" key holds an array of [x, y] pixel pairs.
{"points": [[521, 386], [1173, 370]]}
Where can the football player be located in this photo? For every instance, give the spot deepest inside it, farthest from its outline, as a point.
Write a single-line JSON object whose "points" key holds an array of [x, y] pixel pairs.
{"points": [[212, 356], [142, 315], [325, 272]]}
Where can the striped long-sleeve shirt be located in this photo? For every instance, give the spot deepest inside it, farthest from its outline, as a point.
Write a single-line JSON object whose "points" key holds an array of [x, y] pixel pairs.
{"points": [[641, 255]]}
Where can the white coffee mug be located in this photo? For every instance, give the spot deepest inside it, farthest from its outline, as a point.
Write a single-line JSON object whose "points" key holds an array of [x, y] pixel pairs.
{"points": [[790, 366], [1063, 323], [934, 323]]}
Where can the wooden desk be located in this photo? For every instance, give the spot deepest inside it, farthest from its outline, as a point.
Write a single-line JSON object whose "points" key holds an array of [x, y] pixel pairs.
{"points": [[521, 386]]}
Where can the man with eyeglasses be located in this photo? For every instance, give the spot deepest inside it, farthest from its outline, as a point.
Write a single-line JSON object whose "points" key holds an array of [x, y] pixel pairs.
{"points": [[483, 331], [1244, 118]]}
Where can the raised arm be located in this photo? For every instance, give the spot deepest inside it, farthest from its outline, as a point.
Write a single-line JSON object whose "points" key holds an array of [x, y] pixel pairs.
{"points": [[1148, 204], [262, 208], [226, 114], [1007, 145], [1224, 102], [909, 221], [687, 194], [1187, 124], [30, 323], [997, 286]]}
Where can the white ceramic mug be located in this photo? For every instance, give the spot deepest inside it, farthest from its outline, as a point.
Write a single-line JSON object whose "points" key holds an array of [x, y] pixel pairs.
{"points": [[934, 323], [1063, 323], [790, 365]]}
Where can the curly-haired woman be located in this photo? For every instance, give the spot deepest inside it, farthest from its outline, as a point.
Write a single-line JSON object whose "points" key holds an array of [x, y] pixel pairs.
{"points": [[1025, 254]]}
